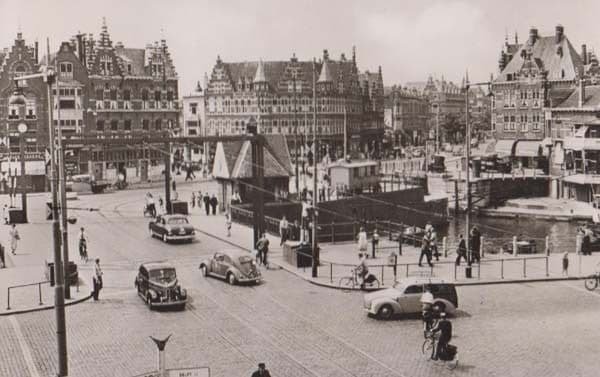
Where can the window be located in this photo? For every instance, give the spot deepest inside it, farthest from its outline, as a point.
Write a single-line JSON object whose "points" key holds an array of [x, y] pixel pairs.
{"points": [[524, 127], [66, 70], [158, 124], [100, 125], [99, 94], [127, 95], [30, 112], [114, 125], [193, 108], [105, 65], [169, 96], [145, 124], [13, 112], [413, 289], [145, 95], [127, 125], [67, 104], [113, 94], [157, 95]]}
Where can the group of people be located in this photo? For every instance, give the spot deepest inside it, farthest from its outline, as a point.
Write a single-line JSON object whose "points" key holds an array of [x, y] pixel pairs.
{"points": [[474, 245], [210, 202]]}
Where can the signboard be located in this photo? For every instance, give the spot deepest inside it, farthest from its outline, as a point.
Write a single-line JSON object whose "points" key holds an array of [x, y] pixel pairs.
{"points": [[189, 372]]}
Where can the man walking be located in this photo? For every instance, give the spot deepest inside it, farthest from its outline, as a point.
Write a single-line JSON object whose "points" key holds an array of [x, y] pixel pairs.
{"points": [[461, 252], [206, 200], [475, 244], [97, 280], [14, 239], [263, 249], [262, 371], [426, 249], [213, 204], [283, 230]]}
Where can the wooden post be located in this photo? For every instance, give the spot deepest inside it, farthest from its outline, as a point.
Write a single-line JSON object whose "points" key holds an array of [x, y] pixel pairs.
{"points": [[502, 268], [515, 250], [445, 246]]}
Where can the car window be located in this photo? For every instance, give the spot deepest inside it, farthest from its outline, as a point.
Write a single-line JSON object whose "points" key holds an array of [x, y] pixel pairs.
{"points": [[414, 289], [219, 257], [163, 275], [177, 221], [246, 259], [227, 259]]}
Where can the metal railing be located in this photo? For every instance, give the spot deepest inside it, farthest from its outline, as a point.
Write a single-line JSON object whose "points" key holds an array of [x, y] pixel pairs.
{"points": [[39, 284]]}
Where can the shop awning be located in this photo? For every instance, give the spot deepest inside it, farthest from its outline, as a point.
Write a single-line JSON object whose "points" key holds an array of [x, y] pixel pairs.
{"points": [[504, 147], [528, 148], [583, 179]]}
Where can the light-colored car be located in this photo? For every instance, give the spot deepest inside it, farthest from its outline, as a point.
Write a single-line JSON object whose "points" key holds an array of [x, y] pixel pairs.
{"points": [[405, 297], [234, 266]]}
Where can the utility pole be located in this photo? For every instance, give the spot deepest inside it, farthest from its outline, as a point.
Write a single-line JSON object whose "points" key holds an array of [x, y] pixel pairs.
{"points": [[467, 180], [168, 176], [315, 247], [63, 190], [59, 291], [258, 209], [296, 134], [346, 129]]}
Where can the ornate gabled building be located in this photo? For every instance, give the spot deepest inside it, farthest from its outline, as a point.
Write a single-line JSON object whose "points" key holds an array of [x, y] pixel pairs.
{"points": [[108, 90], [278, 96], [407, 114], [541, 72]]}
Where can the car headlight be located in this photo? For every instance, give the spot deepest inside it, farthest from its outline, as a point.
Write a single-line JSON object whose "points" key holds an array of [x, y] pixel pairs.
{"points": [[153, 294], [183, 293]]}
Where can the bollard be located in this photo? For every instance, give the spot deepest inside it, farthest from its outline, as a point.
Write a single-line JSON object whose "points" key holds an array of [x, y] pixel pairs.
{"points": [[455, 267], [547, 246], [547, 274], [400, 237], [481, 247], [515, 250], [501, 268], [333, 232], [331, 272], [445, 246], [8, 299], [40, 293], [407, 270], [524, 267], [382, 280], [479, 271]]}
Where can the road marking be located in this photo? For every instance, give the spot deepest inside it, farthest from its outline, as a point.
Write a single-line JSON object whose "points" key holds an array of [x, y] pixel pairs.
{"points": [[33, 372]]}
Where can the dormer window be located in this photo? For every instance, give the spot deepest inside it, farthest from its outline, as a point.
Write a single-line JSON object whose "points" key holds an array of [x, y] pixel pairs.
{"points": [[66, 70], [105, 65]]}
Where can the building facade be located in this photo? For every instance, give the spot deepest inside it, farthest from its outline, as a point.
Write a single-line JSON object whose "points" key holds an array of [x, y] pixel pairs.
{"points": [[278, 97], [193, 121], [539, 73], [408, 114]]}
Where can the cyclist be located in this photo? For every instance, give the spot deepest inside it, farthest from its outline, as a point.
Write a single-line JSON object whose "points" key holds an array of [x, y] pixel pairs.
{"points": [[83, 246], [362, 269], [444, 327]]}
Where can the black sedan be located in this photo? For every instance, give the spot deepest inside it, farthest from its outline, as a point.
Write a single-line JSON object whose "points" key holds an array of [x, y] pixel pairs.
{"points": [[172, 228]]}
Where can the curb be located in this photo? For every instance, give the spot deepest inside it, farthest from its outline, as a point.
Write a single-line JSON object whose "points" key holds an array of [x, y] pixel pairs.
{"points": [[39, 309]]}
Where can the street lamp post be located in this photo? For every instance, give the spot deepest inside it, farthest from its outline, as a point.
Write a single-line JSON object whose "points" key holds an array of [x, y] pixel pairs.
{"points": [[315, 247], [22, 128]]}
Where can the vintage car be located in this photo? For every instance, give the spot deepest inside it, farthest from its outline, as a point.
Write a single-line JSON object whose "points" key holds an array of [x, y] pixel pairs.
{"points": [[172, 228], [233, 266], [157, 285], [405, 298]]}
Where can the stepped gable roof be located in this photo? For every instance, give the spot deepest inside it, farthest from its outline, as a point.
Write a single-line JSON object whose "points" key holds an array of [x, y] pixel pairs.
{"points": [[546, 50], [592, 98], [135, 57]]}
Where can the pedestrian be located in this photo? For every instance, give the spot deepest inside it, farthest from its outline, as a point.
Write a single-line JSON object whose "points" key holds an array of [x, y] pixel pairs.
{"points": [[2, 260], [363, 243], [189, 173], [295, 231], [262, 371], [475, 244], [83, 246], [174, 184], [393, 262], [228, 224], [193, 201], [97, 280], [461, 251], [263, 249], [434, 246], [213, 203], [5, 214], [206, 200], [14, 239], [565, 264], [199, 198], [427, 309], [585, 244], [375, 240], [283, 230], [426, 249]]}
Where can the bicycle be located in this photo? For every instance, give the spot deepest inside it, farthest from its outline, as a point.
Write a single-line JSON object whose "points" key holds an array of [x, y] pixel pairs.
{"points": [[429, 349], [351, 282], [591, 282]]}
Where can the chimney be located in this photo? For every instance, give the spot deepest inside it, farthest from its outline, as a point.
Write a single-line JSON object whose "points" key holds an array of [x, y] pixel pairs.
{"points": [[36, 52], [560, 31], [584, 55], [533, 35], [581, 92], [80, 48]]}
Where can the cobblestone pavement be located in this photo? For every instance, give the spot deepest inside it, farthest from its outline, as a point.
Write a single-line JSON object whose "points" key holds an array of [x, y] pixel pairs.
{"points": [[298, 329]]}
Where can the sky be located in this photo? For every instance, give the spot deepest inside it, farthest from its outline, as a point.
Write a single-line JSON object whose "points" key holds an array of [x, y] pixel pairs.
{"points": [[409, 39]]}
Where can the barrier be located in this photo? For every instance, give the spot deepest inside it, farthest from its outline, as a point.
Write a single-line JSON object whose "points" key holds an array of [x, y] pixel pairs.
{"points": [[39, 284]]}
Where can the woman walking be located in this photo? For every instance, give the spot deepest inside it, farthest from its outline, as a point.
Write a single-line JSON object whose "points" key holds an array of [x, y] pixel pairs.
{"points": [[14, 239]]}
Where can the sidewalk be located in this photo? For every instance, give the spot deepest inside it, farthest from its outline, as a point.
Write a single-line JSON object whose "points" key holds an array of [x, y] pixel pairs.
{"points": [[338, 259], [28, 267]]}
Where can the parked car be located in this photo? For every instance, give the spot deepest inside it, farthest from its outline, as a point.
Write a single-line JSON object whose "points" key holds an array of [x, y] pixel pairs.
{"points": [[157, 285], [405, 298], [233, 266], [172, 228]]}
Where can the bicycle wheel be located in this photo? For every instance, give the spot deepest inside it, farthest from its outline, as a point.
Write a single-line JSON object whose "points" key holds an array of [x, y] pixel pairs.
{"points": [[591, 282], [346, 282], [427, 348]]}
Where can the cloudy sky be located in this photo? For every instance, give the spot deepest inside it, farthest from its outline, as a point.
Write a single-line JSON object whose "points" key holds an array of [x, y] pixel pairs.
{"points": [[409, 39]]}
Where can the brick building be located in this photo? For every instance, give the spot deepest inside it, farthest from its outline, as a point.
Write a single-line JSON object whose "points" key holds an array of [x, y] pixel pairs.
{"points": [[278, 95], [407, 114]]}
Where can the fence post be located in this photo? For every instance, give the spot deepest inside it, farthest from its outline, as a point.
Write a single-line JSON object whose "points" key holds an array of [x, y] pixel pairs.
{"points": [[479, 271], [547, 274], [40, 293], [333, 232], [445, 246], [547, 245], [400, 244], [389, 227], [481, 248], [331, 272], [407, 270], [382, 280], [455, 267], [502, 268], [524, 267], [8, 300], [515, 251]]}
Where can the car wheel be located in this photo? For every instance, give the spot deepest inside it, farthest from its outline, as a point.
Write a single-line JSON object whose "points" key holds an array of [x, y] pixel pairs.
{"points": [[164, 238], [204, 270], [231, 278], [385, 312]]}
